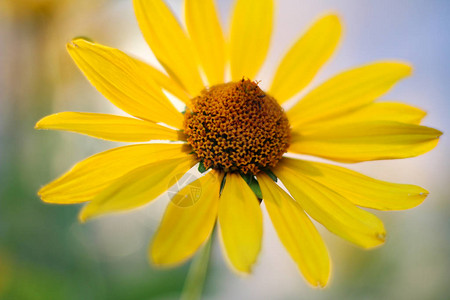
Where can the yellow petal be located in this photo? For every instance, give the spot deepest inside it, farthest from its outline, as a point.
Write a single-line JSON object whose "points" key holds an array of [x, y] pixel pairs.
{"points": [[124, 81], [347, 91], [169, 85], [240, 220], [136, 188], [361, 190], [88, 177], [204, 29], [296, 232], [169, 43], [108, 127], [355, 142], [378, 111], [330, 209], [185, 228], [306, 57], [251, 30]]}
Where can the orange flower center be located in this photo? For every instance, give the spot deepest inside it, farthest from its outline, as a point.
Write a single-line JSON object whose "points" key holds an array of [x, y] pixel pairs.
{"points": [[237, 127]]}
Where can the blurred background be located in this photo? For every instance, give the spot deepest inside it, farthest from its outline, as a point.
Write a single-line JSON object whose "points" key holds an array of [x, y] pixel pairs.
{"points": [[46, 254]]}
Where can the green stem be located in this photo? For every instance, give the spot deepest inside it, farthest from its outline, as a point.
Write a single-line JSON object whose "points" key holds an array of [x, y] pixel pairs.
{"points": [[195, 279]]}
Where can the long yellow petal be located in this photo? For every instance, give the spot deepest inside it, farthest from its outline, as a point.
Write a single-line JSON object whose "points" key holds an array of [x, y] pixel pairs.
{"points": [[169, 43], [185, 228], [136, 188], [332, 210], [108, 127], [306, 57], [347, 91], [125, 81], [169, 85], [88, 177], [355, 142], [240, 220], [296, 232], [251, 30], [204, 29], [361, 190], [378, 111]]}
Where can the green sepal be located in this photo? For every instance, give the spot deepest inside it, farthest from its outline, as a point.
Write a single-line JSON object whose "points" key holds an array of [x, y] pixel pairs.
{"points": [[271, 175], [253, 184], [201, 167]]}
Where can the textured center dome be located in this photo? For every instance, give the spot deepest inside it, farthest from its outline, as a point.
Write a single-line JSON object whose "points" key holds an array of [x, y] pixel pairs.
{"points": [[237, 127]]}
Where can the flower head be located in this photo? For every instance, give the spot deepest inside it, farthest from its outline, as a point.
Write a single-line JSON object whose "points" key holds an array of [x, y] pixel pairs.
{"points": [[239, 131]]}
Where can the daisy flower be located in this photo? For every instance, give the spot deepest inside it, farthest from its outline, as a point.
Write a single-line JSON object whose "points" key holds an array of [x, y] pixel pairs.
{"points": [[240, 137]]}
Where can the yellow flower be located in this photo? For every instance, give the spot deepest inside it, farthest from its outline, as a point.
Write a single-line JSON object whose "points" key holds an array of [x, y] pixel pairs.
{"points": [[241, 132]]}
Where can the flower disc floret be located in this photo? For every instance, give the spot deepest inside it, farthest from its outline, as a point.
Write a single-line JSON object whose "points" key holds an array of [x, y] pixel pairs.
{"points": [[237, 127]]}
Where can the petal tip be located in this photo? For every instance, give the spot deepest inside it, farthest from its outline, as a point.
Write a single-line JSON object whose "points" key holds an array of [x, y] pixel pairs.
{"points": [[333, 16], [381, 236], [72, 45], [160, 264], [420, 191], [40, 124], [77, 42], [424, 194], [154, 261], [377, 240], [46, 196], [153, 256], [82, 219], [408, 68], [242, 272], [402, 68], [43, 191], [321, 284], [158, 260], [85, 215], [380, 239], [46, 122], [43, 197]]}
